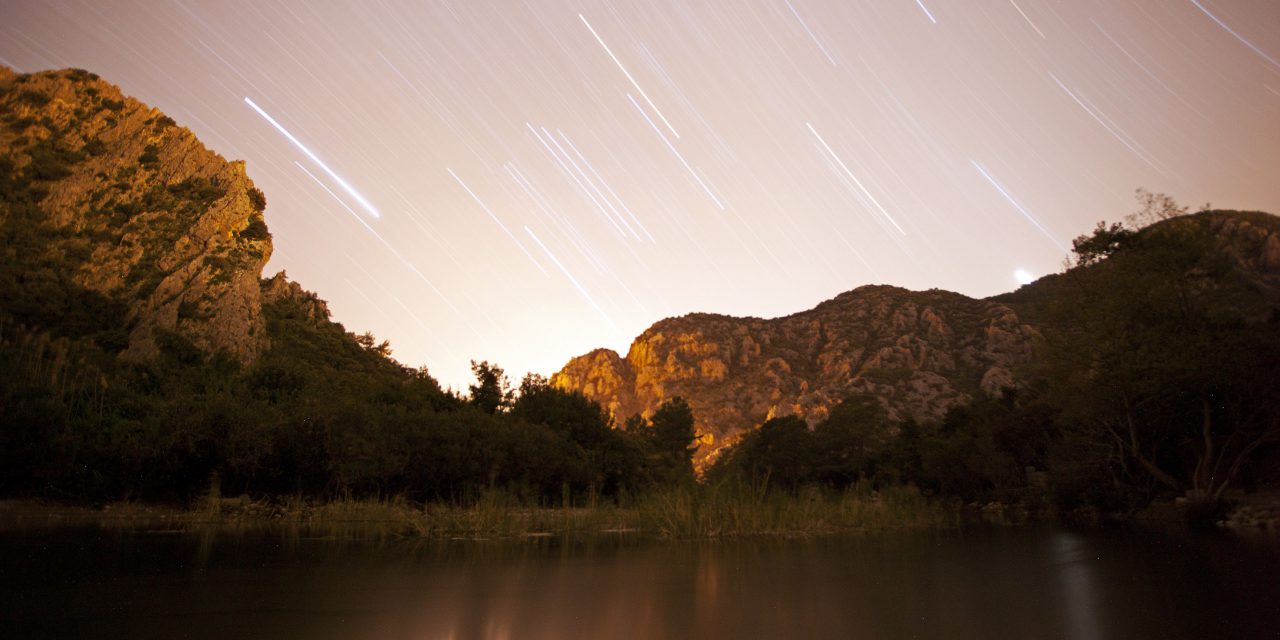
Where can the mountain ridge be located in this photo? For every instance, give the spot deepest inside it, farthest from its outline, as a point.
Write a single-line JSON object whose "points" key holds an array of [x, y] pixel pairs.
{"points": [[919, 353], [121, 222]]}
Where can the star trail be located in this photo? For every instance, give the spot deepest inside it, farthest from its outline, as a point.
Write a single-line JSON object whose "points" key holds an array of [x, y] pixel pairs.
{"points": [[751, 157]]}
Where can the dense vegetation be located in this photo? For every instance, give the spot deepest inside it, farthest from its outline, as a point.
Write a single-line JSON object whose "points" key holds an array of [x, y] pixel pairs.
{"points": [[1156, 376], [320, 415]]}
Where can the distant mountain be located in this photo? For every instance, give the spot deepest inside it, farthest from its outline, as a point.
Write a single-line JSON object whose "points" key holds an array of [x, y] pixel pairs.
{"points": [[919, 353]]}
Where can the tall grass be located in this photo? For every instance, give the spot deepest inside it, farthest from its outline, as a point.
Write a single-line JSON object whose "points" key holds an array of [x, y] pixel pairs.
{"points": [[682, 512], [687, 511], [735, 509]]}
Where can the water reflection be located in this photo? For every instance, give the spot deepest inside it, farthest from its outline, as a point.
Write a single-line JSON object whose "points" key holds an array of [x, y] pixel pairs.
{"points": [[1070, 556], [989, 584]]}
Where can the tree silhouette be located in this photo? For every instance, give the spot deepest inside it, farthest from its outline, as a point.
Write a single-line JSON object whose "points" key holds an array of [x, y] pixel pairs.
{"points": [[672, 435], [1166, 353], [492, 391]]}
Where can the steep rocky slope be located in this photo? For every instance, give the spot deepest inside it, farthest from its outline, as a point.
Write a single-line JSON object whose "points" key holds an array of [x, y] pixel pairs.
{"points": [[921, 353], [113, 214]]}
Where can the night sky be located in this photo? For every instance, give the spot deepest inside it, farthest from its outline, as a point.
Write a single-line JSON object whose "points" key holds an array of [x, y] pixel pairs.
{"points": [[523, 181]]}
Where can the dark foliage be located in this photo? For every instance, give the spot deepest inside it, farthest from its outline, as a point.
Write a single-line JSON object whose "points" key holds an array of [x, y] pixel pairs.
{"points": [[150, 157], [977, 452], [257, 230], [1104, 241], [492, 391], [257, 199], [1156, 377], [1167, 353], [318, 415]]}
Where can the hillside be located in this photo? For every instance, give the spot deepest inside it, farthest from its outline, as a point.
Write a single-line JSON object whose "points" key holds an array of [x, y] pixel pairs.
{"points": [[922, 353], [141, 350], [1249, 240], [120, 224], [919, 353], [142, 354]]}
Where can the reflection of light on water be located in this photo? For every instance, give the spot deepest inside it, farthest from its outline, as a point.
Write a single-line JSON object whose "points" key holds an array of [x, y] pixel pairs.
{"points": [[1071, 556], [531, 593]]}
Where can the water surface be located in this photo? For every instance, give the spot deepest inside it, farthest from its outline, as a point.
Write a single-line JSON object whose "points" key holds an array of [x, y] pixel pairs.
{"points": [[89, 582]]}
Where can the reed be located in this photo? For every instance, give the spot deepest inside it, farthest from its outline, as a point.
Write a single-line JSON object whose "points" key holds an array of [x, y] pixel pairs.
{"points": [[732, 510], [690, 511]]}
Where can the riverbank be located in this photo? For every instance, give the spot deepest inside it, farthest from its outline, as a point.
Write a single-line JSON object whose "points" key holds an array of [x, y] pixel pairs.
{"points": [[682, 513], [686, 513]]}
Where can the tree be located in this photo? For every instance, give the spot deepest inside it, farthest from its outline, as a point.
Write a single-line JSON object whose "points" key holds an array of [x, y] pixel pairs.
{"points": [[1167, 353], [568, 413], [492, 391], [635, 424], [972, 453], [852, 441], [779, 453], [1104, 241], [672, 435], [370, 343], [1153, 208]]}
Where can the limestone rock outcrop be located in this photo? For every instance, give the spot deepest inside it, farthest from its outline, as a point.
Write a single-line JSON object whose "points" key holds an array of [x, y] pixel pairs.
{"points": [[136, 209], [919, 352]]}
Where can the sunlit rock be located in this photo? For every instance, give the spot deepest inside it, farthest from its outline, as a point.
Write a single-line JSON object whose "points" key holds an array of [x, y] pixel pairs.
{"points": [[920, 353]]}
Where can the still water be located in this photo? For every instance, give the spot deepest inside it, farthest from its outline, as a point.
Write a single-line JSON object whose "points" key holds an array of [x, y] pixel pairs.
{"points": [[89, 582]]}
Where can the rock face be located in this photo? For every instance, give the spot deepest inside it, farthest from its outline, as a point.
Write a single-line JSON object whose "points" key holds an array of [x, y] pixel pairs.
{"points": [[138, 210], [920, 353], [1251, 239], [279, 288]]}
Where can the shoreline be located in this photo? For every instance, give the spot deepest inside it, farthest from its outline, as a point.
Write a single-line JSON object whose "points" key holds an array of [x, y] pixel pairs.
{"points": [[676, 514]]}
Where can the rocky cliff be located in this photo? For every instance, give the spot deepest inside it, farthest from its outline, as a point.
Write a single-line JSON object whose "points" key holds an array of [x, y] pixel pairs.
{"points": [[919, 352], [105, 198]]}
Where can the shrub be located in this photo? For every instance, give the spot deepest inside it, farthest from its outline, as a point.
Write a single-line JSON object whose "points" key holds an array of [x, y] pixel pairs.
{"points": [[51, 162], [258, 199], [94, 147], [150, 156], [19, 125], [80, 75], [257, 230], [33, 98], [202, 191]]}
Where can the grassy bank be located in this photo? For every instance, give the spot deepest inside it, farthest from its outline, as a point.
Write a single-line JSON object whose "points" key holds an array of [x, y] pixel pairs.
{"points": [[682, 512], [689, 512]]}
